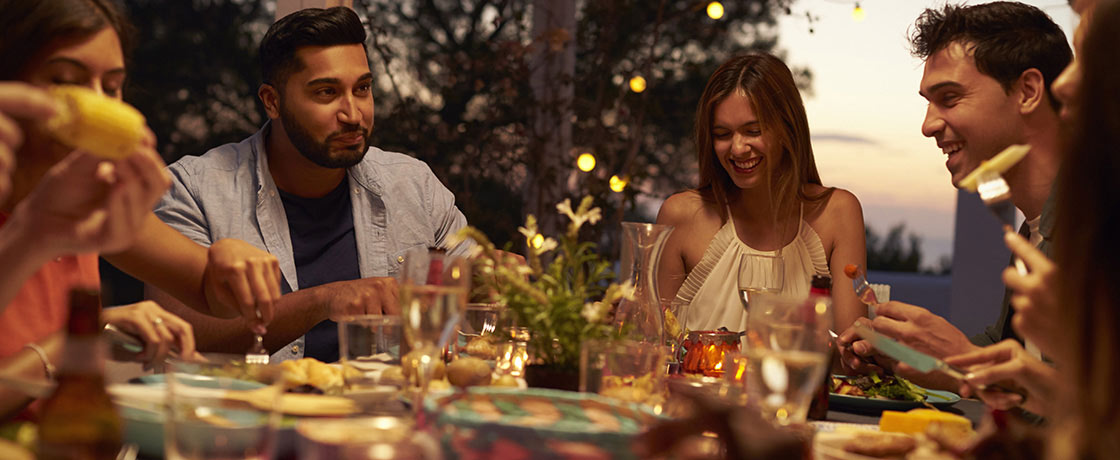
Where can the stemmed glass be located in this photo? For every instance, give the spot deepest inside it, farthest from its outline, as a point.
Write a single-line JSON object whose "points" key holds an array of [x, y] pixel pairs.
{"points": [[434, 287], [760, 273]]}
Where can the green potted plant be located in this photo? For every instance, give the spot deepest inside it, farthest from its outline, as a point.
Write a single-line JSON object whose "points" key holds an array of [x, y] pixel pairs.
{"points": [[562, 293]]}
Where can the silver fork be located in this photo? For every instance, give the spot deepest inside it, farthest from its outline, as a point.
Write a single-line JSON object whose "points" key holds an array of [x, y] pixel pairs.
{"points": [[863, 289], [257, 353], [996, 195]]}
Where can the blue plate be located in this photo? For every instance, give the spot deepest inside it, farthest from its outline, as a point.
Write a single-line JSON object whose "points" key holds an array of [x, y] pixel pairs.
{"points": [[486, 422], [936, 398], [145, 427]]}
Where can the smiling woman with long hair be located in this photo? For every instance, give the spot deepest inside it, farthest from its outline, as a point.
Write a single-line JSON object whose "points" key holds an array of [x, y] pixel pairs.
{"points": [[759, 193]]}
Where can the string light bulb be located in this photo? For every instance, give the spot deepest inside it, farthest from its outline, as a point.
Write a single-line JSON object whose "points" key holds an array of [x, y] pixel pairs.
{"points": [[537, 241], [585, 162], [715, 10], [858, 14], [617, 184], [637, 84]]}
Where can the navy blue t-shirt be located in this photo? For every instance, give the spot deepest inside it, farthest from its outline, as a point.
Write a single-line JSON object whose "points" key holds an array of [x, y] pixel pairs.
{"points": [[322, 231]]}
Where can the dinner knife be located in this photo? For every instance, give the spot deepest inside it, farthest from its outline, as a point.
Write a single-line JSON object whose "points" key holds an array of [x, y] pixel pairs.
{"points": [[126, 341], [923, 362], [914, 358]]}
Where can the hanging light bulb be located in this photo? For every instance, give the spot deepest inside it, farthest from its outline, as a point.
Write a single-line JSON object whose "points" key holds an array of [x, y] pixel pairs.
{"points": [[637, 84], [858, 13], [715, 10], [617, 184], [585, 162]]}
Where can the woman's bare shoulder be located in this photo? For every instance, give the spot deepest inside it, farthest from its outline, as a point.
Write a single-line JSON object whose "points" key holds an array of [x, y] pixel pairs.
{"points": [[837, 204], [686, 207]]}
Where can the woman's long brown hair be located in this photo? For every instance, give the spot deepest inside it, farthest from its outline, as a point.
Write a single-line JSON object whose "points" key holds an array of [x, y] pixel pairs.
{"points": [[1087, 249]]}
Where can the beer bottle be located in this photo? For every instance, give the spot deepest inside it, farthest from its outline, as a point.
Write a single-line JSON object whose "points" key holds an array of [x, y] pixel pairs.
{"points": [[821, 285], [78, 420]]}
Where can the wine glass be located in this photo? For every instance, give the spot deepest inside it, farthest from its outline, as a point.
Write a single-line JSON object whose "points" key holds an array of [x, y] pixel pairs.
{"points": [[760, 273], [434, 287]]}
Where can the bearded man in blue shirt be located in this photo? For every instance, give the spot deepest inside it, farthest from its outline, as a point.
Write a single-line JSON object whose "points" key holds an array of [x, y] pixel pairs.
{"points": [[338, 213]]}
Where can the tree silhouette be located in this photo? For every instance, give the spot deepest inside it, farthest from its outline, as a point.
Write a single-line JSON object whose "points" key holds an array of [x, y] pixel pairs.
{"points": [[453, 89], [890, 253]]}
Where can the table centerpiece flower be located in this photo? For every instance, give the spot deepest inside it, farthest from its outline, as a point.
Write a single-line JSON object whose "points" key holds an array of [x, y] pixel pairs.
{"points": [[562, 293]]}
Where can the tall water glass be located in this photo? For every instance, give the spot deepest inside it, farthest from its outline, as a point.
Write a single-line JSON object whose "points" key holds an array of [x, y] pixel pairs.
{"points": [[204, 423], [787, 353], [369, 344], [434, 287], [760, 273]]}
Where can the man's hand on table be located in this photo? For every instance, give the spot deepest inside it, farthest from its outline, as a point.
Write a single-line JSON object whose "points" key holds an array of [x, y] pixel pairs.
{"points": [[913, 326], [366, 296]]}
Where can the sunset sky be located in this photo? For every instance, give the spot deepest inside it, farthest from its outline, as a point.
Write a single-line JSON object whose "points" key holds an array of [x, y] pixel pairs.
{"points": [[866, 114]]}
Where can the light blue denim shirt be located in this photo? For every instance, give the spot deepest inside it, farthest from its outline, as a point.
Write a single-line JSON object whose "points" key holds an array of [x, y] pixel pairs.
{"points": [[398, 204]]}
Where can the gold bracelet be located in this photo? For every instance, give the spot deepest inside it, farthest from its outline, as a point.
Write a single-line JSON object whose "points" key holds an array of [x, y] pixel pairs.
{"points": [[48, 368]]}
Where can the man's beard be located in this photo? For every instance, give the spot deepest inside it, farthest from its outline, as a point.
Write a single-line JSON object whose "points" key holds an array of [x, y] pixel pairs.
{"points": [[320, 152]]}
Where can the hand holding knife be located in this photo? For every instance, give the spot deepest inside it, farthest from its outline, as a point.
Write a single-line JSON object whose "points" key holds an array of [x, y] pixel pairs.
{"points": [[925, 363]]}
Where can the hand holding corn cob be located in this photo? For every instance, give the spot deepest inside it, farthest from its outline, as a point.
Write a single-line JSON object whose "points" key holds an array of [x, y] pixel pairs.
{"points": [[92, 122], [84, 203], [18, 101]]}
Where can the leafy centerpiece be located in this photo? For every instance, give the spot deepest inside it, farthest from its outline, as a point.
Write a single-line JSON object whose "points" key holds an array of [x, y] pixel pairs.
{"points": [[562, 294]]}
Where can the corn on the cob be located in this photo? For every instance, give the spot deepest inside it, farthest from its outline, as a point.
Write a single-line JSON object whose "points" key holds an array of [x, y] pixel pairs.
{"points": [[100, 125], [998, 164]]}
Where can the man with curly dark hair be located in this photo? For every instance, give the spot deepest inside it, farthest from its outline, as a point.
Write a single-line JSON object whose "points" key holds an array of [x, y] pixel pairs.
{"points": [[987, 77]]}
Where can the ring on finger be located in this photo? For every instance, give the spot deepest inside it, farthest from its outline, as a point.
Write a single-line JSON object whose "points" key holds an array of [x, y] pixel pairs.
{"points": [[157, 321]]}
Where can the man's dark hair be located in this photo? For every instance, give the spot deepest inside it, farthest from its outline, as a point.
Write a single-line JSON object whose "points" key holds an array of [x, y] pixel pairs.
{"points": [[308, 27], [1006, 39]]}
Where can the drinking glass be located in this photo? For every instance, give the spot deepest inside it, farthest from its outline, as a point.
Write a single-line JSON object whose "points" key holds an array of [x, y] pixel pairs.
{"points": [[206, 419], [760, 273], [480, 330], [434, 287], [369, 344], [787, 354], [622, 369]]}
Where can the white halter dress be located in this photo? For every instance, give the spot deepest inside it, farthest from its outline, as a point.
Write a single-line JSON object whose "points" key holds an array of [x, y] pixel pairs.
{"points": [[709, 297]]}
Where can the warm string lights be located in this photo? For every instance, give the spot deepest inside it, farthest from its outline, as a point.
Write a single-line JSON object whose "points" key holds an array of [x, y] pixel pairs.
{"points": [[858, 13], [585, 162], [715, 10], [637, 84], [618, 184]]}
